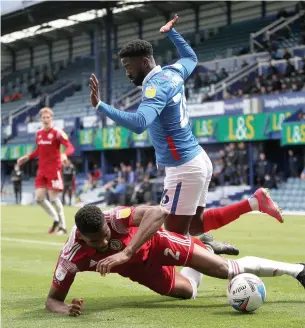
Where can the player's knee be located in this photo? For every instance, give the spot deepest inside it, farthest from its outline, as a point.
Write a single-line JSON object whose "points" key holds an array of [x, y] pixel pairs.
{"points": [[54, 197], [185, 294], [39, 199]]}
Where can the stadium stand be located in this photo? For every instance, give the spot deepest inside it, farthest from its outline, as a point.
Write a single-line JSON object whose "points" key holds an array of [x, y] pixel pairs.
{"points": [[226, 68], [290, 195]]}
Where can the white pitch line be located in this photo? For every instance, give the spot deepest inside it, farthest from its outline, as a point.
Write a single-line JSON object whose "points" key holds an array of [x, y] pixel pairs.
{"points": [[30, 241]]}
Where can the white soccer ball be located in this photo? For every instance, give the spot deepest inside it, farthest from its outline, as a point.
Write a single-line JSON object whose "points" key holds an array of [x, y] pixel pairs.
{"points": [[246, 292]]}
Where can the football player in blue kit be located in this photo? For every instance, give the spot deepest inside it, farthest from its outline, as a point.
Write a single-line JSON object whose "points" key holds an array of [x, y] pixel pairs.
{"points": [[163, 113]]}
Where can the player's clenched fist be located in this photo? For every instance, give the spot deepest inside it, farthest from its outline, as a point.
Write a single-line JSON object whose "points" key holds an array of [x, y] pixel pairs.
{"points": [[76, 307], [95, 93]]}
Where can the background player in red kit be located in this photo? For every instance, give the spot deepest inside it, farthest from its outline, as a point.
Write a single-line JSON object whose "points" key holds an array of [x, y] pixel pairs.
{"points": [[99, 235], [48, 140]]}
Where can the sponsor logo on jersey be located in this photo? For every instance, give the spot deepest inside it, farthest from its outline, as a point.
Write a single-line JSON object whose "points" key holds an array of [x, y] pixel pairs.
{"points": [[151, 91], [116, 245], [64, 135], [50, 135], [124, 213], [60, 273], [45, 142]]}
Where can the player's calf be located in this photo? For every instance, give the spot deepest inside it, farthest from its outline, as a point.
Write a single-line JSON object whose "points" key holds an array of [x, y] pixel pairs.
{"points": [[47, 206], [218, 267], [56, 202]]}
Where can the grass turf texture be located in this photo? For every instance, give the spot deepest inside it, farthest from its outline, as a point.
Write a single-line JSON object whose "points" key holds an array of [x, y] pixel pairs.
{"points": [[117, 302]]}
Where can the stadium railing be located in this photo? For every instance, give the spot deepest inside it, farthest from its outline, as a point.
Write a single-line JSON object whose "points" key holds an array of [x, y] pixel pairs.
{"points": [[272, 29]]}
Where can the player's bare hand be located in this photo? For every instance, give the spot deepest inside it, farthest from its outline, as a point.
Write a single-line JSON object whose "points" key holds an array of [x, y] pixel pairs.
{"points": [[22, 160], [64, 158], [168, 26], [95, 93], [105, 266], [76, 307]]}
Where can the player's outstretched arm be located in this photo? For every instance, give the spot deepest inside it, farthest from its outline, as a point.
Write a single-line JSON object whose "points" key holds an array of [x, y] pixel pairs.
{"points": [[136, 122], [149, 219], [55, 303], [188, 57], [25, 158]]}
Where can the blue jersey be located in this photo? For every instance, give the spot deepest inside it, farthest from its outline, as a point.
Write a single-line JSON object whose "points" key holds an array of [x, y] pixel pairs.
{"points": [[171, 132], [163, 110]]}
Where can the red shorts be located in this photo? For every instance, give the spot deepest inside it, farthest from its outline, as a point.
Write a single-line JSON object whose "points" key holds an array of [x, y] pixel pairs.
{"points": [[169, 248], [158, 271], [49, 180]]}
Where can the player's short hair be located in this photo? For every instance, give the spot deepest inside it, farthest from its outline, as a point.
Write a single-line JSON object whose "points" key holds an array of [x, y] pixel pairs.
{"points": [[46, 110], [89, 219], [136, 48]]}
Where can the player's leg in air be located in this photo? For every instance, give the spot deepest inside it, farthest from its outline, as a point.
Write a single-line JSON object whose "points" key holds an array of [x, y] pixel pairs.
{"points": [[42, 201], [207, 263], [213, 219], [186, 201]]}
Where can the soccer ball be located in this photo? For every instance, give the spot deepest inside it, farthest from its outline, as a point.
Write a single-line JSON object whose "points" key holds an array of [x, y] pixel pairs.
{"points": [[246, 292]]}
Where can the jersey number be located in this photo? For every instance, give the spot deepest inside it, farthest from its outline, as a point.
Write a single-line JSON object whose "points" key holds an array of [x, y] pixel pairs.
{"points": [[56, 184], [171, 253], [184, 117]]}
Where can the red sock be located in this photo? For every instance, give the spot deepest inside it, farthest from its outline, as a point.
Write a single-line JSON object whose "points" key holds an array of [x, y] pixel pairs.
{"points": [[216, 218]]}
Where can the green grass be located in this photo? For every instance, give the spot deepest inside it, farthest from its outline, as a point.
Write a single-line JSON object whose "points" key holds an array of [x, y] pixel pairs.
{"points": [[117, 302]]}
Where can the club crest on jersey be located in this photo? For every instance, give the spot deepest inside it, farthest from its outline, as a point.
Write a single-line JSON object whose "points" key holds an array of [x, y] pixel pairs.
{"points": [[92, 263], [116, 245], [151, 91], [50, 135], [124, 213]]}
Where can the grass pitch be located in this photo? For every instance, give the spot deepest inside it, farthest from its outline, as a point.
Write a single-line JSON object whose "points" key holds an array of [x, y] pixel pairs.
{"points": [[113, 301]]}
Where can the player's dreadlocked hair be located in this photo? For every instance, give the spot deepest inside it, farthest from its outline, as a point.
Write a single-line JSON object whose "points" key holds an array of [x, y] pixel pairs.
{"points": [[136, 48], [89, 219]]}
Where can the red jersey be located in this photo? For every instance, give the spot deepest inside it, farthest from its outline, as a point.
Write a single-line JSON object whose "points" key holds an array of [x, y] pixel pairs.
{"points": [[152, 266], [77, 256], [48, 149]]}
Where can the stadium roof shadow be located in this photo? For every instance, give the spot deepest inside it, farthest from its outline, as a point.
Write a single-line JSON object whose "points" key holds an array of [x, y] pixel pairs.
{"points": [[48, 11]]}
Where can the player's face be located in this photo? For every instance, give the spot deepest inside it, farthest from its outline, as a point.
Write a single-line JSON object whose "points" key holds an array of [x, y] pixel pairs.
{"points": [[99, 240], [46, 120], [135, 69]]}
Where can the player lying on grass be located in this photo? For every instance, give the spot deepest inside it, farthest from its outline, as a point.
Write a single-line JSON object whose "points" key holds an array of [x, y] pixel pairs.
{"points": [[98, 235]]}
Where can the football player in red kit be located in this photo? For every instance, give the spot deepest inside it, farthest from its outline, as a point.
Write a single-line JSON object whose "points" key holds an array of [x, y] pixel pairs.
{"points": [[99, 237], [49, 140]]}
